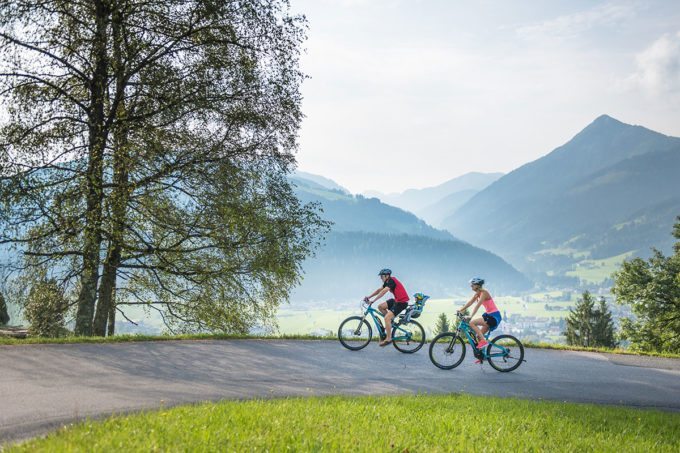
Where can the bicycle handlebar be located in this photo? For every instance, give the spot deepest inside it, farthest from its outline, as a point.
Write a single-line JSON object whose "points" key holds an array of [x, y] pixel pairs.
{"points": [[462, 317]]}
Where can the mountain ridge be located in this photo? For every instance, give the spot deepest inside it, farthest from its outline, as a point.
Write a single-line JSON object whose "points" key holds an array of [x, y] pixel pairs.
{"points": [[584, 187]]}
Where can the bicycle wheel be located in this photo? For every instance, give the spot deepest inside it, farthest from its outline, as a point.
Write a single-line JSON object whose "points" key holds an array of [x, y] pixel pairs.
{"points": [[447, 350], [505, 353], [355, 333], [408, 338]]}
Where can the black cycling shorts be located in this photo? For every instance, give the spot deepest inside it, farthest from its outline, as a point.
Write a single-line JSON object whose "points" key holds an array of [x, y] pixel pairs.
{"points": [[396, 307]]}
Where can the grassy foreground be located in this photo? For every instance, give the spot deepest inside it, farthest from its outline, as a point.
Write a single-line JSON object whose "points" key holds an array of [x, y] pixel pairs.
{"points": [[398, 423]]}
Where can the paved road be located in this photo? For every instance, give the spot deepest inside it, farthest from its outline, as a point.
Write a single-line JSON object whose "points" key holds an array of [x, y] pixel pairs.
{"points": [[45, 386]]}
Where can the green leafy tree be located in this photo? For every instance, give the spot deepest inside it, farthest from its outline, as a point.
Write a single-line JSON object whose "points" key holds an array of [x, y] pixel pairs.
{"points": [[604, 332], [590, 325], [45, 307], [144, 155], [581, 322], [652, 288], [442, 324]]}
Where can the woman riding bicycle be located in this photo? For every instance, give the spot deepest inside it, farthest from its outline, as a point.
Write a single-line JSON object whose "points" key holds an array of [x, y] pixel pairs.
{"points": [[492, 316]]}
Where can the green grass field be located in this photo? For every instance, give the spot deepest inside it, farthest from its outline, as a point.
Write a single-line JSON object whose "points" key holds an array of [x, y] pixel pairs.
{"points": [[309, 320], [597, 271], [396, 423]]}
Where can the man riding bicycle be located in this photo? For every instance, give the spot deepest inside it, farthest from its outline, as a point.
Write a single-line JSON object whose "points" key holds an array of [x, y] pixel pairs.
{"points": [[392, 307]]}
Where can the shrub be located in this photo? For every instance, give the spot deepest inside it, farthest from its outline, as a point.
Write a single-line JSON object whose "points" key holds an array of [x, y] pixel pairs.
{"points": [[45, 308]]}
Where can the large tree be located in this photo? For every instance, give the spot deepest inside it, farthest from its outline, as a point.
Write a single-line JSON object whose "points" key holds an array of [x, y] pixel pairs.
{"points": [[588, 325], [145, 152], [652, 288], [442, 324]]}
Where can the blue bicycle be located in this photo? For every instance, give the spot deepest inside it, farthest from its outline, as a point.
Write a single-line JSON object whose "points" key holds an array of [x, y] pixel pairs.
{"points": [[504, 352], [408, 336]]}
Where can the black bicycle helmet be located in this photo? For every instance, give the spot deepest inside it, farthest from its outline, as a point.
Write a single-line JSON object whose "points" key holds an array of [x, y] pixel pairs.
{"points": [[477, 281], [385, 271]]}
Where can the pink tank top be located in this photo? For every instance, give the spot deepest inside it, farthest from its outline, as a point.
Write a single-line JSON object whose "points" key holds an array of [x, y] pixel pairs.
{"points": [[490, 305]]}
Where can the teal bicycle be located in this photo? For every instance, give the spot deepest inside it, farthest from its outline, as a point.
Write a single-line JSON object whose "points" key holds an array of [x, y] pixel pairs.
{"points": [[408, 336], [504, 353]]}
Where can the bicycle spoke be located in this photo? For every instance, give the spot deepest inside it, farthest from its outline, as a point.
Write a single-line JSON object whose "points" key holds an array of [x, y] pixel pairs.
{"points": [[354, 333], [411, 337], [505, 353], [447, 351]]}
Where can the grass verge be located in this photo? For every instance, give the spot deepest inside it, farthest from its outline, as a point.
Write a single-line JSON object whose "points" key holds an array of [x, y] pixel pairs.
{"points": [[132, 338], [397, 423], [566, 347]]}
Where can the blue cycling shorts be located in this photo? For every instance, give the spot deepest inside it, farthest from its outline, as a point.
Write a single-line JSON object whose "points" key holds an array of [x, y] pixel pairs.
{"points": [[492, 320]]}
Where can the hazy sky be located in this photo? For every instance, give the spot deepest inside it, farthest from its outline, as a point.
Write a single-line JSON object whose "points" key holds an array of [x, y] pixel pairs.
{"points": [[410, 93]]}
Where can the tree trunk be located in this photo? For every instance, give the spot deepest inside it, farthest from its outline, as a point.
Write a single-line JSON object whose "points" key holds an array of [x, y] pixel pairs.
{"points": [[112, 315], [97, 143], [120, 193], [4, 316], [106, 288]]}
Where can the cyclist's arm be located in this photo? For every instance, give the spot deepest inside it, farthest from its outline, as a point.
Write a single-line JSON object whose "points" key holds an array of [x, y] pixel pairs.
{"points": [[476, 308], [469, 303], [374, 293], [380, 292]]}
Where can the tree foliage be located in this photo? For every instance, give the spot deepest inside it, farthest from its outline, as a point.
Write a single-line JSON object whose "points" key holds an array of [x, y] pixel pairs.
{"points": [[45, 307], [588, 325], [652, 288], [144, 156], [442, 324]]}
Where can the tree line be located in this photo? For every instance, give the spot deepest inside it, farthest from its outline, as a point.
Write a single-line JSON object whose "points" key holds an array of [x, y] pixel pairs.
{"points": [[144, 149]]}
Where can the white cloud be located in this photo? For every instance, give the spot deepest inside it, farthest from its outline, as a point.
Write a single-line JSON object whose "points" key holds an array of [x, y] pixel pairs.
{"points": [[658, 67], [570, 25]]}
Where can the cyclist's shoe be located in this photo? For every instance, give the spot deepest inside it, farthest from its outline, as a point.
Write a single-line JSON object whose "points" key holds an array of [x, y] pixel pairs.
{"points": [[385, 342], [482, 344], [479, 361]]}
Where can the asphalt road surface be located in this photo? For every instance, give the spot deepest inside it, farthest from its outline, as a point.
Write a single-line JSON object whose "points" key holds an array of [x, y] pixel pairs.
{"points": [[43, 387]]}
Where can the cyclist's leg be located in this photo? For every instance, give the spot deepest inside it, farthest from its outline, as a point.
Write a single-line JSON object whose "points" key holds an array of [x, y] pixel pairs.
{"points": [[477, 325], [383, 306], [388, 325]]}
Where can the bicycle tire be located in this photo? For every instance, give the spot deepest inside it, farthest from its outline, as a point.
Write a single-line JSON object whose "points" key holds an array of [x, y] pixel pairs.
{"points": [[513, 345], [448, 343], [345, 333], [402, 345]]}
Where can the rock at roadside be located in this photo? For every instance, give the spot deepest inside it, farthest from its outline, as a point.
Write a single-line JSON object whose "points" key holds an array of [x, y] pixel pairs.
{"points": [[13, 332]]}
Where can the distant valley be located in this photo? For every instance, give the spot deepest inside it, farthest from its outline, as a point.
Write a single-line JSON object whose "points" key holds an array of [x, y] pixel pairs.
{"points": [[565, 220], [368, 235]]}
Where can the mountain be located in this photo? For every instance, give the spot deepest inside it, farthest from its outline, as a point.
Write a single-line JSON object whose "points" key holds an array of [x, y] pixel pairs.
{"points": [[435, 213], [368, 235], [320, 180], [613, 188], [415, 199], [346, 267], [358, 213]]}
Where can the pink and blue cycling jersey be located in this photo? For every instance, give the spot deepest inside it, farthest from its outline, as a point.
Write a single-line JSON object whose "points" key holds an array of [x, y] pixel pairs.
{"points": [[489, 305]]}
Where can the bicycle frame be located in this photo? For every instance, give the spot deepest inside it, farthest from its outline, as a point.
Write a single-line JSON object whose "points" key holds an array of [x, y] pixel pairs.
{"points": [[396, 324], [464, 326]]}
